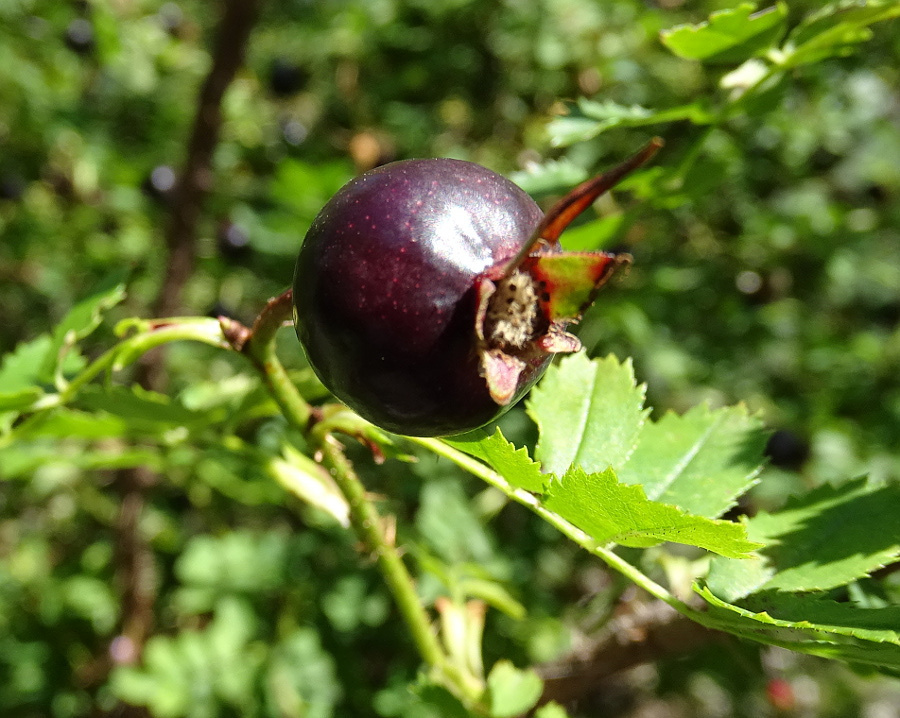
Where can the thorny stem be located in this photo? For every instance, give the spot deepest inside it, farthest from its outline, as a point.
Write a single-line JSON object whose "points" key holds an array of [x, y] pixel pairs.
{"points": [[295, 408], [259, 345], [369, 528]]}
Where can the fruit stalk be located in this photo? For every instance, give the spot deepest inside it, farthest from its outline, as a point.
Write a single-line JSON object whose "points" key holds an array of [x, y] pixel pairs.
{"points": [[369, 528], [259, 345]]}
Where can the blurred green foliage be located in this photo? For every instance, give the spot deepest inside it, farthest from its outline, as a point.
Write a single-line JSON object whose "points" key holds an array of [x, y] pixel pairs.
{"points": [[767, 270]]}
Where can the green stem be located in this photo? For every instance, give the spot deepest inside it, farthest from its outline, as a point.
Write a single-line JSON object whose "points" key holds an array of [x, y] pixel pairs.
{"points": [[259, 345], [121, 355], [368, 525], [572, 532], [364, 517], [294, 407], [129, 350]]}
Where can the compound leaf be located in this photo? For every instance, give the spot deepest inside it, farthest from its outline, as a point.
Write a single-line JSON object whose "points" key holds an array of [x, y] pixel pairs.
{"points": [[824, 539], [700, 461], [589, 412], [729, 36], [611, 511]]}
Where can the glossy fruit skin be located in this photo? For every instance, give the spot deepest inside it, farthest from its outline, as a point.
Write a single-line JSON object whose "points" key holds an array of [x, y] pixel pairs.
{"points": [[384, 292]]}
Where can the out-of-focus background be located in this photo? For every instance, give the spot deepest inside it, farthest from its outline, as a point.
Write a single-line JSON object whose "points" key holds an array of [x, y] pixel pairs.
{"points": [[767, 271]]}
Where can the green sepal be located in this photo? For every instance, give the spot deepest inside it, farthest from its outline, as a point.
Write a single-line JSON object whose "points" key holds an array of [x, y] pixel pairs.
{"points": [[570, 280]]}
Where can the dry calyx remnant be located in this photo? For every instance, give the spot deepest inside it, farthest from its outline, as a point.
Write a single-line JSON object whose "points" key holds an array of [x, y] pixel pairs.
{"points": [[524, 306], [513, 314], [523, 317]]}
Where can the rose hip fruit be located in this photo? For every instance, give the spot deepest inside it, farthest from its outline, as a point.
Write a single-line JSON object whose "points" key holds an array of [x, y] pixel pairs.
{"points": [[429, 295]]}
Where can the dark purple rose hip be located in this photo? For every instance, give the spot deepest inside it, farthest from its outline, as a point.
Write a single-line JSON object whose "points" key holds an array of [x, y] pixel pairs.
{"points": [[429, 295]]}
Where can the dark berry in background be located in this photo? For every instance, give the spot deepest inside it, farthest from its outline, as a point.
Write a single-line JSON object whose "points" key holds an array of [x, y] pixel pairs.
{"points": [[79, 36], [787, 450], [286, 77]]}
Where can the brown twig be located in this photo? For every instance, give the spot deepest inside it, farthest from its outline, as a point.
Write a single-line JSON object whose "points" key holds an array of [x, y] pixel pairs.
{"points": [[134, 560], [645, 633], [195, 180]]}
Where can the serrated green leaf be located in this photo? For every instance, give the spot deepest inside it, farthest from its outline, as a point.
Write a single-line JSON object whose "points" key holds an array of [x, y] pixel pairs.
{"points": [[512, 691], [810, 624], [81, 320], [729, 36], [589, 412], [514, 465], [21, 368], [700, 461], [589, 119], [821, 540], [836, 30], [608, 510]]}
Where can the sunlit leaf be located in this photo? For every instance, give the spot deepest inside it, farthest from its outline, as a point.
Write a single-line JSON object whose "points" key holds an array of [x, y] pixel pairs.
{"points": [[590, 414], [700, 461], [820, 540], [515, 465], [810, 624], [729, 36], [611, 511]]}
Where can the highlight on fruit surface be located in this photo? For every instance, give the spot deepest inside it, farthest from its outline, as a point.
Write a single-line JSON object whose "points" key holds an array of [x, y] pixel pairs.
{"points": [[430, 295]]}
